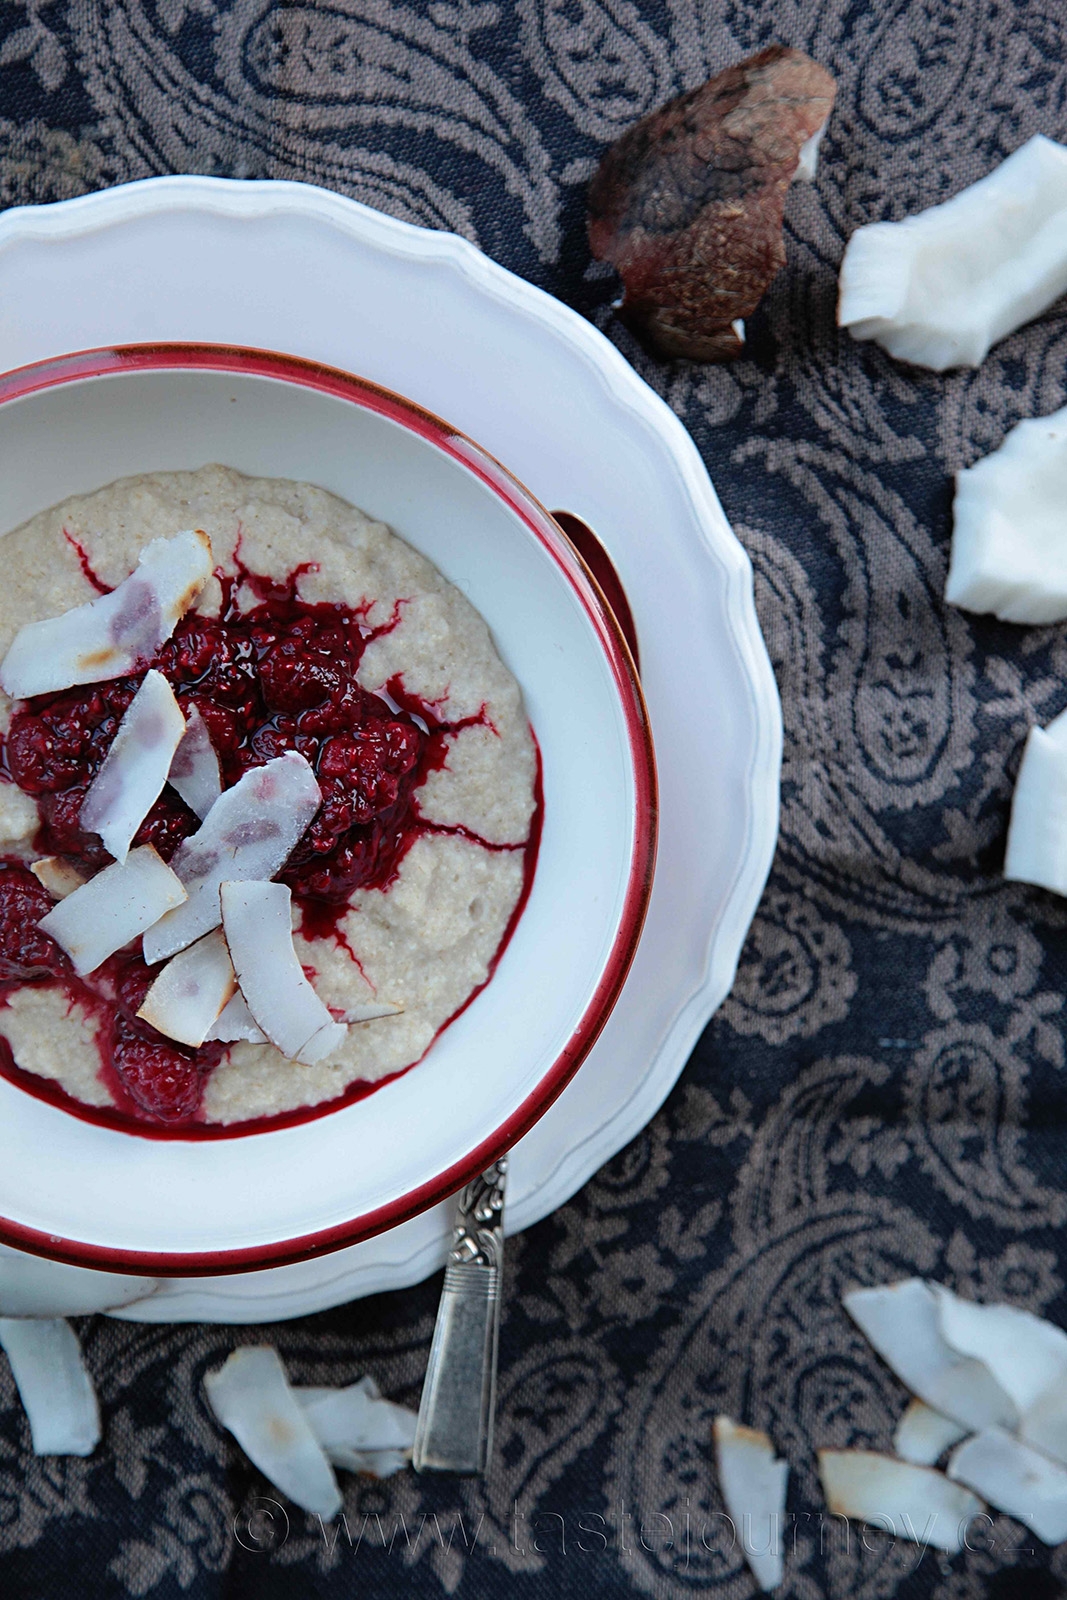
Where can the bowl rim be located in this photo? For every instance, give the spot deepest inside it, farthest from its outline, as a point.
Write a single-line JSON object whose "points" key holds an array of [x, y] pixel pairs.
{"points": [[111, 360]]}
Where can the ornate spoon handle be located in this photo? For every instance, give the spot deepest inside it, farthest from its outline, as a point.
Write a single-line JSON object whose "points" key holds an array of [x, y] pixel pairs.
{"points": [[455, 1426]]}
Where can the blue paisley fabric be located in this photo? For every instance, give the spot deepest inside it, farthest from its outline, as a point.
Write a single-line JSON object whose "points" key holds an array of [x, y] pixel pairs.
{"points": [[883, 1093]]}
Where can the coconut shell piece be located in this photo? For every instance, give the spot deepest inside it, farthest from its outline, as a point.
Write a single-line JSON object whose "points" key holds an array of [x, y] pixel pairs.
{"points": [[687, 205]]}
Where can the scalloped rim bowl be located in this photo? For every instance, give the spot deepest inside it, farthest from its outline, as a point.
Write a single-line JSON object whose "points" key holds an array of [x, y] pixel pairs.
{"points": [[96, 1196]]}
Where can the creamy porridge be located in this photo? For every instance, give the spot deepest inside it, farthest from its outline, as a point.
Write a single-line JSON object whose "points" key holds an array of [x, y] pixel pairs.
{"points": [[327, 635]]}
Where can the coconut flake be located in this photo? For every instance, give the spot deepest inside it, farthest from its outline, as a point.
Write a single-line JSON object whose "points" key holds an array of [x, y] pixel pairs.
{"points": [[257, 922], [1025, 1354], [235, 1022], [1037, 833], [250, 1395], [896, 1497], [191, 991], [1044, 1423], [247, 834], [117, 632], [59, 877], [53, 1383], [901, 1322], [30, 1287], [194, 771], [358, 1429], [135, 768], [1009, 555], [113, 908], [753, 1486], [940, 288], [1016, 1479], [923, 1435]]}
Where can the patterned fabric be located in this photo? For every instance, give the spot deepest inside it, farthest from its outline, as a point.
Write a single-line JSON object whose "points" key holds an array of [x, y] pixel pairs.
{"points": [[884, 1091]]}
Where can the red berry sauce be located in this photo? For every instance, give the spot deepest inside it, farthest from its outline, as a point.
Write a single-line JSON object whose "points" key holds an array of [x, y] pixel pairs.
{"points": [[280, 676]]}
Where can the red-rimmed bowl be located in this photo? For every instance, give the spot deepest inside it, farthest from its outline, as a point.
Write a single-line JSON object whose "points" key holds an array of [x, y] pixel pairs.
{"points": [[97, 1195]]}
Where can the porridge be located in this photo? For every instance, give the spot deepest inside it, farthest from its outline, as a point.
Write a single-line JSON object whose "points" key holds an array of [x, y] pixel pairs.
{"points": [[318, 635]]}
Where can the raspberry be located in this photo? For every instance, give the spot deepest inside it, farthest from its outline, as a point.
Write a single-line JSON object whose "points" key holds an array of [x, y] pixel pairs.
{"points": [[25, 952], [61, 832], [133, 980], [211, 655], [164, 1078], [167, 824], [164, 1081], [308, 664]]}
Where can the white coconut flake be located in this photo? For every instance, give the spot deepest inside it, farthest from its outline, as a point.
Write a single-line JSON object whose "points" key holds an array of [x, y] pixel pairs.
{"points": [[896, 1497], [940, 288], [135, 767], [59, 877], [1009, 553], [236, 1022], [1015, 1479], [358, 1430], [247, 834], [187, 998], [753, 1486], [116, 633], [194, 771], [250, 1395], [1025, 1354], [113, 908], [923, 1435], [1037, 833], [257, 922], [53, 1383], [1044, 1423], [901, 1322], [30, 1287]]}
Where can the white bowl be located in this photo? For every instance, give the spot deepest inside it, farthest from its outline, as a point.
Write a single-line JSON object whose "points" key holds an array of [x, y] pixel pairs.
{"points": [[95, 1195]]}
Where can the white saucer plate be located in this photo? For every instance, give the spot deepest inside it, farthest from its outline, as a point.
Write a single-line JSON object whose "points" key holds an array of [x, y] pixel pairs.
{"points": [[292, 268]]}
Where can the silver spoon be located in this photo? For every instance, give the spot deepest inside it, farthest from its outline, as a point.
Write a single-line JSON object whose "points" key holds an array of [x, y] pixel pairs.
{"points": [[454, 1432]]}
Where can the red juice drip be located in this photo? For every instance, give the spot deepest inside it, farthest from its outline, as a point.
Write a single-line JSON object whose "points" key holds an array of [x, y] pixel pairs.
{"points": [[83, 561]]}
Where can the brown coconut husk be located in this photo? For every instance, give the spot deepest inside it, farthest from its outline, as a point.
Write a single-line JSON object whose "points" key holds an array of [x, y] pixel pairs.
{"points": [[687, 205]]}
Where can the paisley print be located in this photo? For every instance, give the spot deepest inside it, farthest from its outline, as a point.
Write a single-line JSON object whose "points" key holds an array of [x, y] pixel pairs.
{"points": [[598, 59], [884, 1093], [795, 973]]}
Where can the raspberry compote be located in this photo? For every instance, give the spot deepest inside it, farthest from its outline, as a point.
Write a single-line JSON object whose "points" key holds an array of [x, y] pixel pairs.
{"points": [[279, 676]]}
